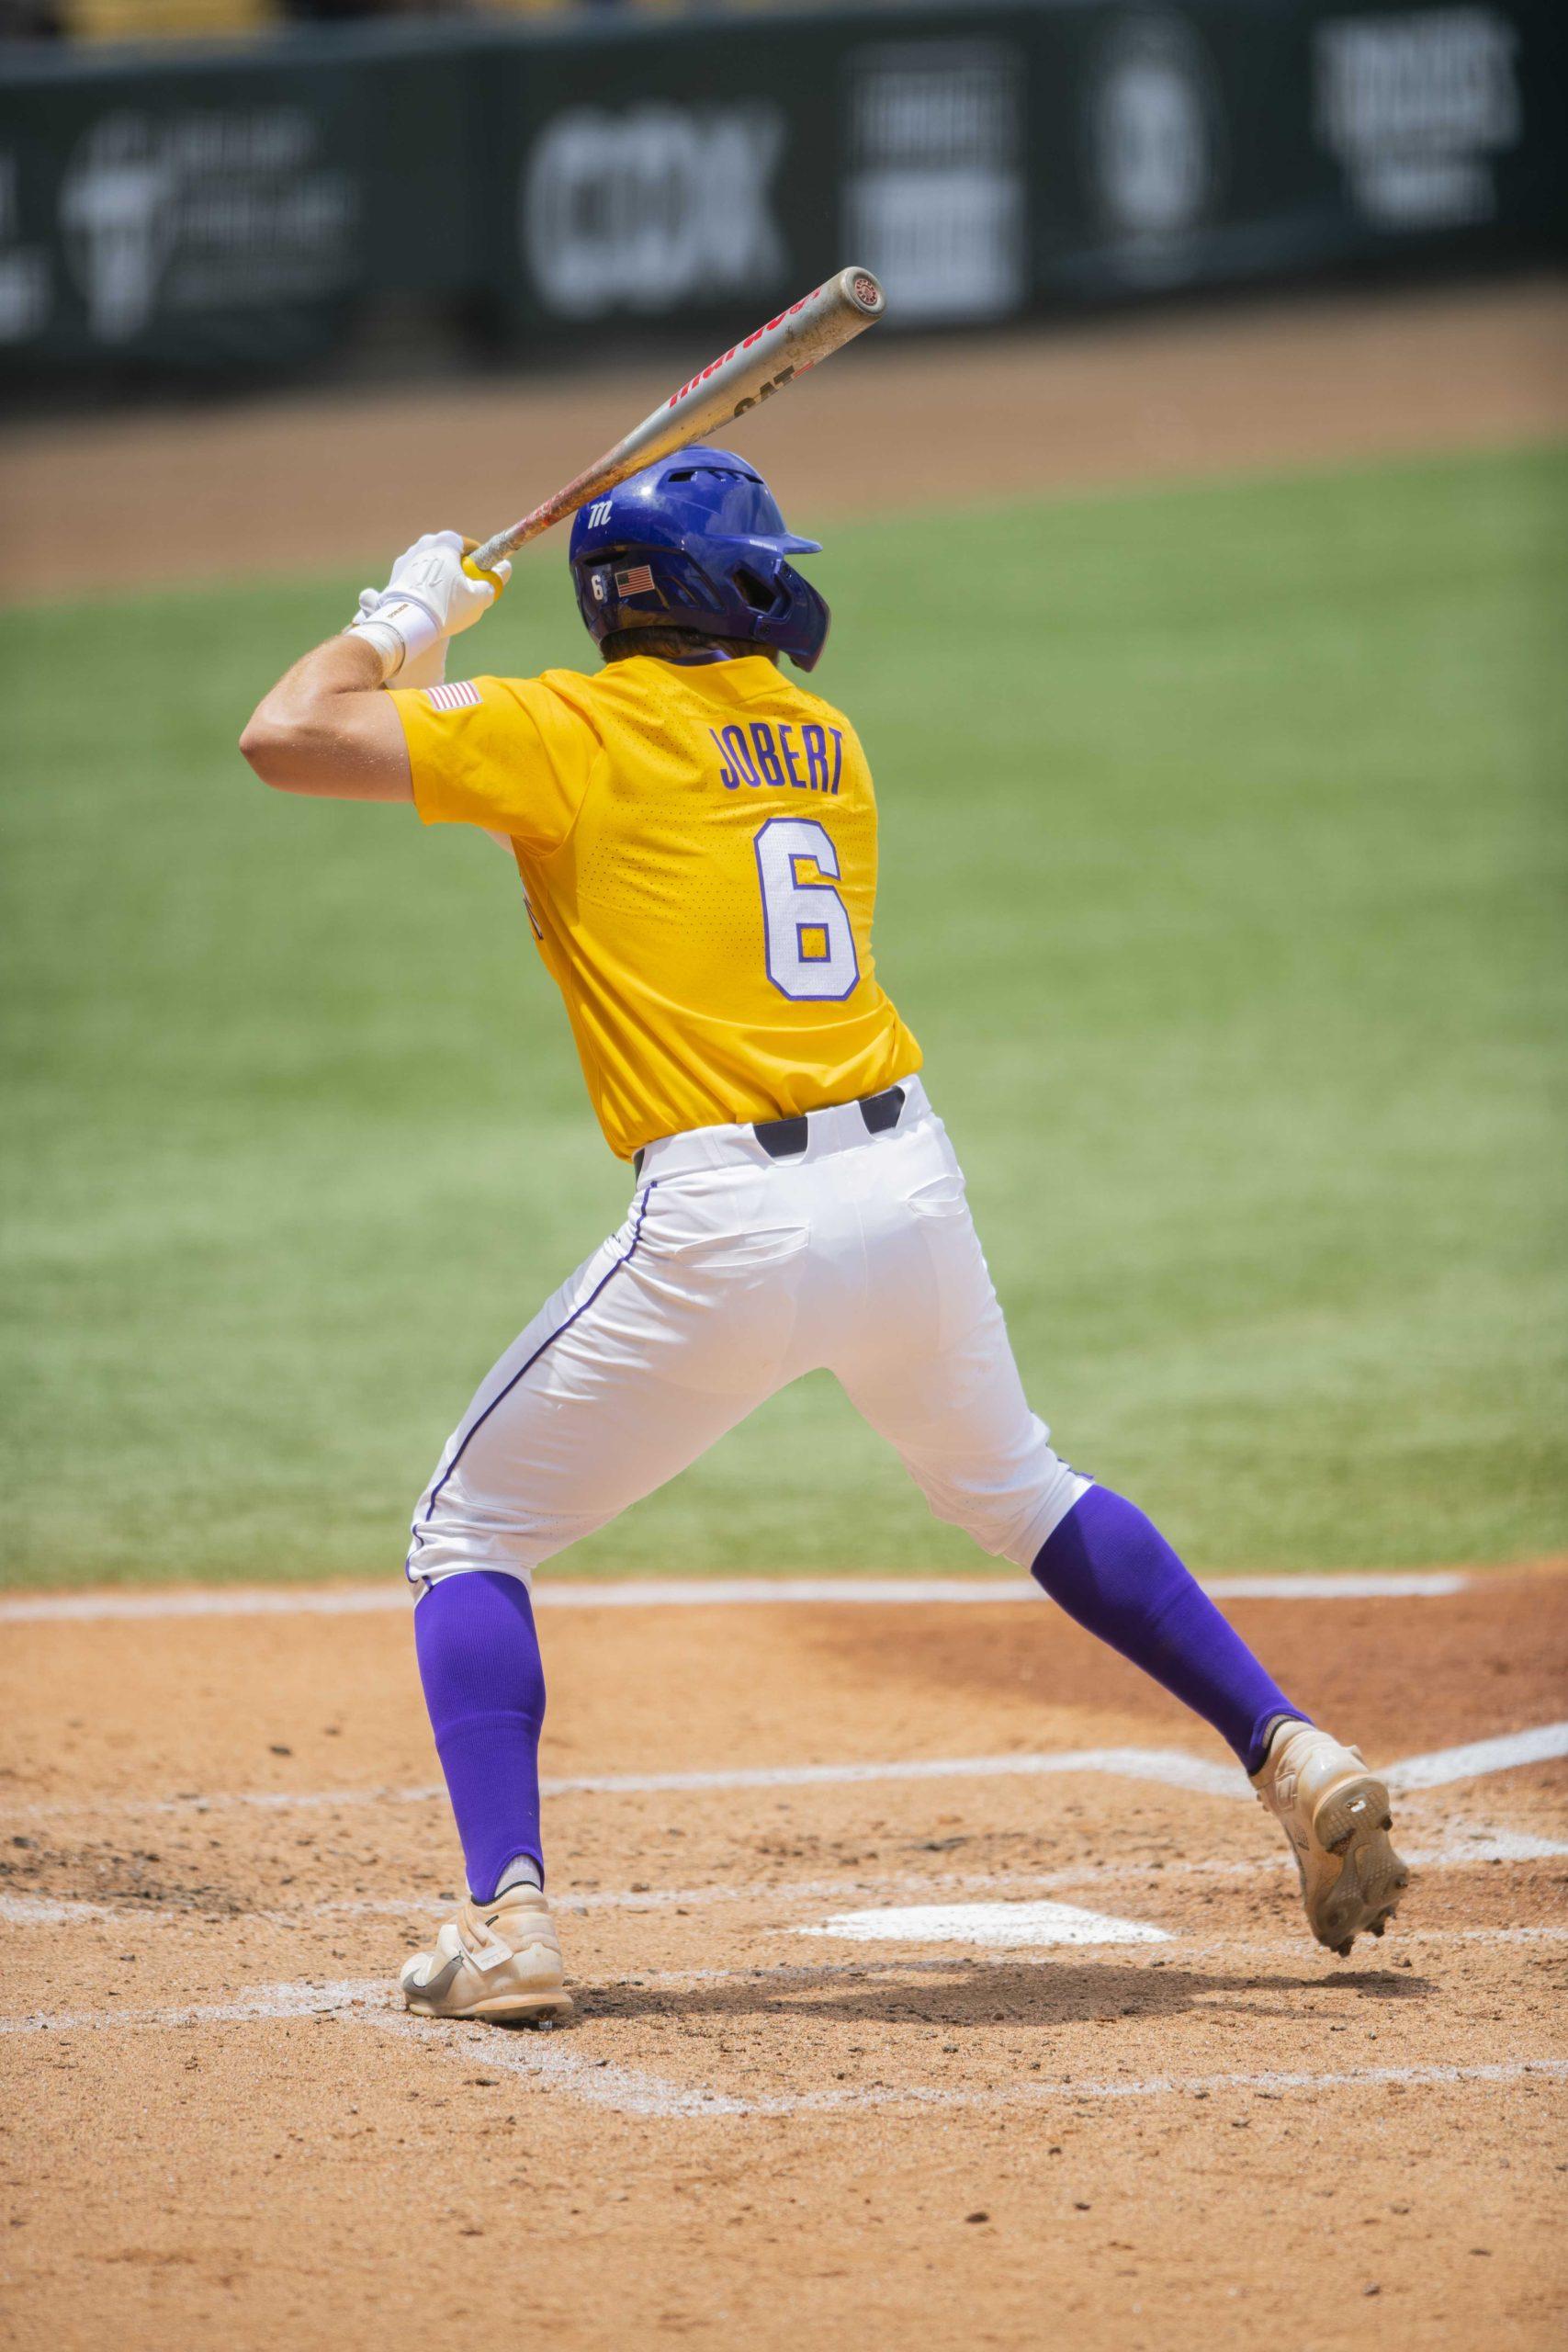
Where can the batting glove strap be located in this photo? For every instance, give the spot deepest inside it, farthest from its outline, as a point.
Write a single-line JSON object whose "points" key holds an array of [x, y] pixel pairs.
{"points": [[404, 626], [390, 650]]}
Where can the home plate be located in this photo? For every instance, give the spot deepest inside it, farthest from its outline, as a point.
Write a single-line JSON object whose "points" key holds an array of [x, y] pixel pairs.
{"points": [[987, 1923]]}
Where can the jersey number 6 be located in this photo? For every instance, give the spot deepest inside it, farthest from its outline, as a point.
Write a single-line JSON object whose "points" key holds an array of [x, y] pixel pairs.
{"points": [[810, 941]]}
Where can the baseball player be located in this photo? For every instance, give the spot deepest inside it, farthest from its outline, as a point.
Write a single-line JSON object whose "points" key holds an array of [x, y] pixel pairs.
{"points": [[695, 835]]}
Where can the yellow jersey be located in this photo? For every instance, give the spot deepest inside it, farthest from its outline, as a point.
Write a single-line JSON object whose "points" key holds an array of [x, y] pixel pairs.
{"points": [[697, 848]]}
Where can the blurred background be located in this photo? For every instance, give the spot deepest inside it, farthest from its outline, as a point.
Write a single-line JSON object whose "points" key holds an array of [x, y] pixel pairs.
{"points": [[1195, 539]]}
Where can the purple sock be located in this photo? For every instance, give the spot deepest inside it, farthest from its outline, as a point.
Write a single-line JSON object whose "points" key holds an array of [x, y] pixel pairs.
{"points": [[479, 1660], [1110, 1567]]}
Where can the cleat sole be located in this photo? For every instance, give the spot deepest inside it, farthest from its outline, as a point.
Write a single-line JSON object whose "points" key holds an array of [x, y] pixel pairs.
{"points": [[1352, 1824], [1338, 1817], [506, 2008]]}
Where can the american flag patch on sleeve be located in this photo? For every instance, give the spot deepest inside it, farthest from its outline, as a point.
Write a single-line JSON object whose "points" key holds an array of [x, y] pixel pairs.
{"points": [[456, 696]]}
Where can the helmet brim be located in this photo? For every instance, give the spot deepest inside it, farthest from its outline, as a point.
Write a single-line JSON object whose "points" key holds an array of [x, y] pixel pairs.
{"points": [[777, 543]]}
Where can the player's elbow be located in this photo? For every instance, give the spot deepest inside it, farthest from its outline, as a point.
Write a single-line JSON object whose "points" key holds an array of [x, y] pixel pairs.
{"points": [[346, 746], [283, 751], [259, 745]]}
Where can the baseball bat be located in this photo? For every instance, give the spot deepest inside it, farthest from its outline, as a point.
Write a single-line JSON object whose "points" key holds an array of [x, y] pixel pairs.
{"points": [[749, 371]]}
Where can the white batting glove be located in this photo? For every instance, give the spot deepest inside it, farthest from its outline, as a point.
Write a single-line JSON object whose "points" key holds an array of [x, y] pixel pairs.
{"points": [[429, 599]]}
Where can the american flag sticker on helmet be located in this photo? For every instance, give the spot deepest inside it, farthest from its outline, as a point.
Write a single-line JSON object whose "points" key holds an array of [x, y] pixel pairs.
{"points": [[456, 696], [637, 581]]}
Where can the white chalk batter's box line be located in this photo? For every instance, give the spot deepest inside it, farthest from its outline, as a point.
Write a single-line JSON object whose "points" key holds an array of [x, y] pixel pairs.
{"points": [[550, 2062], [698, 1592], [632, 2093], [1465, 1845], [1168, 1767]]}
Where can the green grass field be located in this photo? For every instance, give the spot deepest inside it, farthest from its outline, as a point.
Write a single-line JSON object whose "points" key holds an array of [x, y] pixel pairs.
{"points": [[1223, 846]]}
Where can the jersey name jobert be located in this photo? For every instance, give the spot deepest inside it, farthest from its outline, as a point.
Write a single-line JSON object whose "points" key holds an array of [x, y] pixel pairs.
{"points": [[764, 751]]}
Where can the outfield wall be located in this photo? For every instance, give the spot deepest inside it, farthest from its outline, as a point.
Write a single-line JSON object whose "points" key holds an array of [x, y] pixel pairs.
{"points": [[223, 212]]}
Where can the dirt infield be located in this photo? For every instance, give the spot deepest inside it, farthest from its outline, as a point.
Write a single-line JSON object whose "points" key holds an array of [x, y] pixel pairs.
{"points": [[323, 482], [771, 2124]]}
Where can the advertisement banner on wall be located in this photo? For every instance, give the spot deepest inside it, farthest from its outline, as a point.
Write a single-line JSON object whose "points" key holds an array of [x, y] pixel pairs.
{"points": [[678, 179], [673, 174], [219, 214], [651, 208], [934, 196], [152, 222], [1419, 112]]}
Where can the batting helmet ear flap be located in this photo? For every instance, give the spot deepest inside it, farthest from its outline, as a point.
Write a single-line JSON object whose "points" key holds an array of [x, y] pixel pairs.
{"points": [[812, 620]]}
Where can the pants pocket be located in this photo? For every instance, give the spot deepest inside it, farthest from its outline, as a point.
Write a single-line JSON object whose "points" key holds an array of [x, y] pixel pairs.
{"points": [[940, 1196], [697, 1225], [716, 1252]]}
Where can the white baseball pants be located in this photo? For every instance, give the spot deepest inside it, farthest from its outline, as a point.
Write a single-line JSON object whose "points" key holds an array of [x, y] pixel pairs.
{"points": [[733, 1275]]}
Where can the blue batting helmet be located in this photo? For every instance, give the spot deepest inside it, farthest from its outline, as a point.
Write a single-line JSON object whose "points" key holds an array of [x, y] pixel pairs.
{"points": [[696, 542]]}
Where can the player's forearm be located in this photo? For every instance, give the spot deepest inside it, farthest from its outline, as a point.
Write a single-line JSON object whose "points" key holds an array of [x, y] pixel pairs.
{"points": [[325, 727]]}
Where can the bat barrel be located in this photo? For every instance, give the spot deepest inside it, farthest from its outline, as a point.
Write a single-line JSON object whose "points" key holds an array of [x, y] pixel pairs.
{"points": [[749, 372]]}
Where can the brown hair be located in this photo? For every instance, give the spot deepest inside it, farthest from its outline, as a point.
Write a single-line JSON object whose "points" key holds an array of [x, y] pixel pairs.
{"points": [[672, 645]]}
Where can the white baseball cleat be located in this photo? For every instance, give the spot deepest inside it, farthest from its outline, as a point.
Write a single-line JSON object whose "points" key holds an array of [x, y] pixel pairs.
{"points": [[498, 1959], [1335, 1815]]}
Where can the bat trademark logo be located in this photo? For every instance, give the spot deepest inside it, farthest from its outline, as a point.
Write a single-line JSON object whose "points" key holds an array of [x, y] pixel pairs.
{"points": [[765, 391], [645, 207]]}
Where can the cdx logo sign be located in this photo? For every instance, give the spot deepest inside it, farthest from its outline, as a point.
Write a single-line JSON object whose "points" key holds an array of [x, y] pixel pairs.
{"points": [[647, 207]]}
